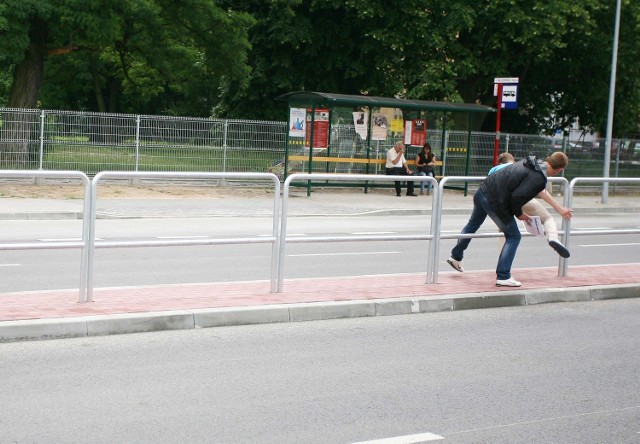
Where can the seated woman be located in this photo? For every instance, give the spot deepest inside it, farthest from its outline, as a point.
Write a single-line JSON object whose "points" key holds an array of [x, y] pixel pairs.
{"points": [[425, 163]]}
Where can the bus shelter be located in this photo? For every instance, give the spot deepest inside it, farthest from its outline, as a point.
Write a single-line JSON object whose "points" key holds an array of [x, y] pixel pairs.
{"points": [[340, 133]]}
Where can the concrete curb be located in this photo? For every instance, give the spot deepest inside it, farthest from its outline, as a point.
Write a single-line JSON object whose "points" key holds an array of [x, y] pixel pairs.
{"points": [[38, 329], [55, 215]]}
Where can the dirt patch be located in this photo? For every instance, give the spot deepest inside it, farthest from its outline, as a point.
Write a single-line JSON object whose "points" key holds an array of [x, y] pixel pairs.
{"points": [[106, 191], [52, 189]]}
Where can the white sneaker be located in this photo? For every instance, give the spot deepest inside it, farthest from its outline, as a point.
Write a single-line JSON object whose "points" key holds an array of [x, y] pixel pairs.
{"points": [[457, 265], [511, 282]]}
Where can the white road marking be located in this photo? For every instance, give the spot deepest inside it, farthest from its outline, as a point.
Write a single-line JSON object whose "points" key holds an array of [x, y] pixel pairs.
{"points": [[553, 418], [344, 254], [10, 265], [593, 228], [182, 237], [610, 245], [363, 233], [407, 439]]}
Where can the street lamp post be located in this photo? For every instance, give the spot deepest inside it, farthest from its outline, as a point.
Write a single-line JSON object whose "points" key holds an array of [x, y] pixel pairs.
{"points": [[612, 91]]}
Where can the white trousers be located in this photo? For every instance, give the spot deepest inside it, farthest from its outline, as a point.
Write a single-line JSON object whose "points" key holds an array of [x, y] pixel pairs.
{"points": [[535, 208]]}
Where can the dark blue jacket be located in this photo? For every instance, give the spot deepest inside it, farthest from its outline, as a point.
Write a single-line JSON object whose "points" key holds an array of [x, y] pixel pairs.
{"points": [[510, 188]]}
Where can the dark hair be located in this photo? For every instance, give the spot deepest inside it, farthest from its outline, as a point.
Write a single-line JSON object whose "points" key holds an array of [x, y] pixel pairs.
{"points": [[426, 145]]}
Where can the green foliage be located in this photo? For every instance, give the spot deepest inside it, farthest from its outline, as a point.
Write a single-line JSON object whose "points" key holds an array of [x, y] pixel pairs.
{"points": [[232, 58], [5, 84], [152, 56], [446, 50]]}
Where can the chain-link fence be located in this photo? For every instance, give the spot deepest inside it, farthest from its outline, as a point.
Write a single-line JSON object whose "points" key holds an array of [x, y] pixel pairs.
{"points": [[94, 142]]}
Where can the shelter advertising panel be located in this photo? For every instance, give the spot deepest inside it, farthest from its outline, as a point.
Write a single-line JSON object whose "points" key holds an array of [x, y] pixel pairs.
{"points": [[379, 127], [415, 132], [320, 128], [297, 122]]}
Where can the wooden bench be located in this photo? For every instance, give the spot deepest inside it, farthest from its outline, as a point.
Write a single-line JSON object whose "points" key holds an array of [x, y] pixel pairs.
{"points": [[352, 160]]}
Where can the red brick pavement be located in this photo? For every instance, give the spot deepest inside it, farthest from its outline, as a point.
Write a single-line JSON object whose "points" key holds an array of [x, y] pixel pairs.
{"points": [[64, 303]]}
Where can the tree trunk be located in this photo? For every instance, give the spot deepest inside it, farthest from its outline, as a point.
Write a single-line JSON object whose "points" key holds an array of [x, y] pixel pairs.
{"points": [[27, 79], [28, 74]]}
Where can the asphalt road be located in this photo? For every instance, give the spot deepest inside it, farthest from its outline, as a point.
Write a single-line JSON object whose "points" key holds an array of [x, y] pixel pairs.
{"points": [[59, 269], [556, 373]]}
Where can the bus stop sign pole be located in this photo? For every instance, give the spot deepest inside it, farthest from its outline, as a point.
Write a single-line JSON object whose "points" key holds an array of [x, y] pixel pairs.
{"points": [[506, 88], [496, 145]]}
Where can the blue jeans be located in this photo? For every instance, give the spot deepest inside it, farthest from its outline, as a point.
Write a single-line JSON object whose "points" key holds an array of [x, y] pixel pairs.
{"points": [[429, 184], [482, 209]]}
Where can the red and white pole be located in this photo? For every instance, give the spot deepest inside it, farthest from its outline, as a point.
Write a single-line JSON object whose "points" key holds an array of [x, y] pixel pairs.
{"points": [[496, 146]]}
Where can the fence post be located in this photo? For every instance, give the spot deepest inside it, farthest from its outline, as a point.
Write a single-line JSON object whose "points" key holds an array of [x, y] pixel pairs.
{"points": [[445, 143], [41, 162], [137, 156], [224, 150]]}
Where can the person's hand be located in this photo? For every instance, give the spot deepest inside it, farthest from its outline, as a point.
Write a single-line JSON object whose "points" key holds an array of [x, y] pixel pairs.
{"points": [[409, 171], [525, 218], [565, 212]]}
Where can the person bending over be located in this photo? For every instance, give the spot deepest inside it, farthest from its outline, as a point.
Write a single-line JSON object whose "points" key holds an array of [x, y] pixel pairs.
{"points": [[501, 196], [535, 208]]}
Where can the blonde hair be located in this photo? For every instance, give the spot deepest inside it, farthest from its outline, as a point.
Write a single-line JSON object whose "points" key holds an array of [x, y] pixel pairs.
{"points": [[558, 160]]}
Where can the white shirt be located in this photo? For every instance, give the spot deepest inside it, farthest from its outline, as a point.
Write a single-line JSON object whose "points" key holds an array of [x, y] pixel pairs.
{"points": [[391, 155]]}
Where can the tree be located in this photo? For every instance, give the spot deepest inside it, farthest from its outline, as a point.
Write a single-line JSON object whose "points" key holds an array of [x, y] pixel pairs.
{"points": [[232, 58], [572, 82], [449, 50], [343, 46], [143, 54], [151, 47]]}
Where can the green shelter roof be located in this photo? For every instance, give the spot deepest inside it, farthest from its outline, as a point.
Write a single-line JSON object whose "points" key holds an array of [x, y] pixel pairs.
{"points": [[308, 98]]}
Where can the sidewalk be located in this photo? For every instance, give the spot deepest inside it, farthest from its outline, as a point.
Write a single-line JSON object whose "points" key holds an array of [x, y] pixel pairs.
{"points": [[57, 314]]}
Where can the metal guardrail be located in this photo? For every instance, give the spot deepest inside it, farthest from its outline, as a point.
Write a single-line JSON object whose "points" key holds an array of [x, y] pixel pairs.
{"points": [[273, 239], [353, 238], [566, 226], [434, 247], [83, 244], [279, 239]]}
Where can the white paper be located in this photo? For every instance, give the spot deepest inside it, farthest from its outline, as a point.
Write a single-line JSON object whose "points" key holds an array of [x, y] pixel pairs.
{"points": [[534, 226], [361, 123]]}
